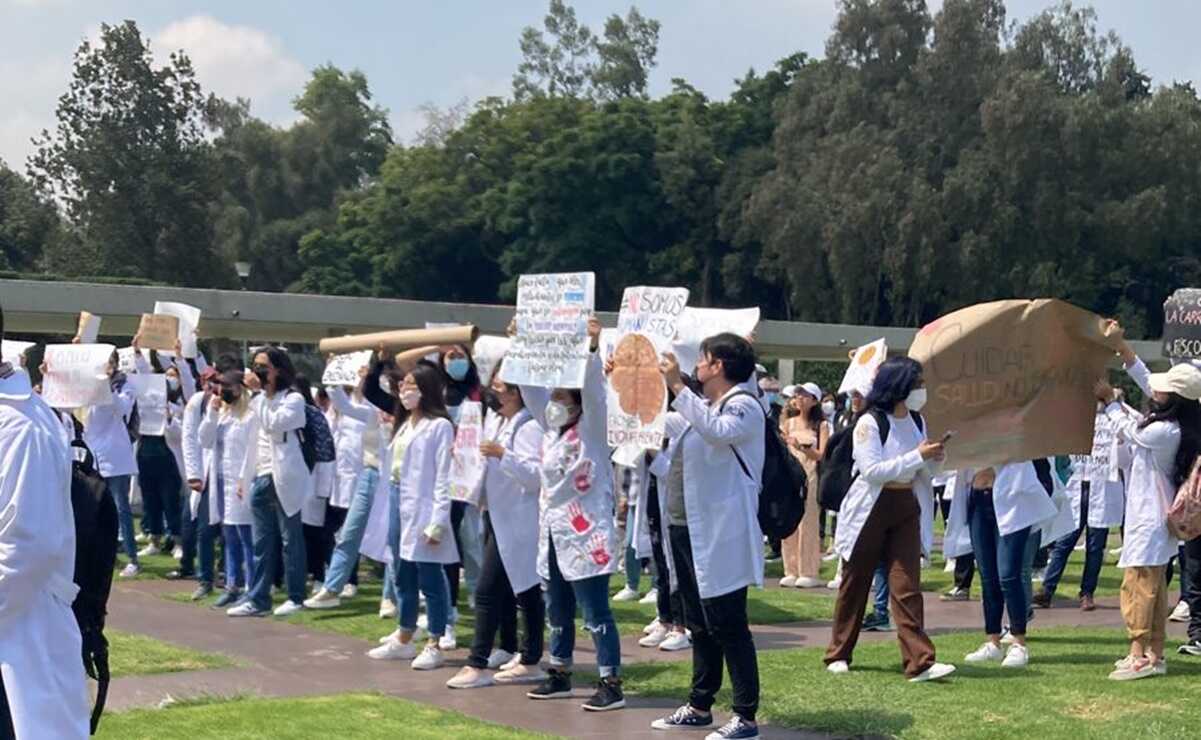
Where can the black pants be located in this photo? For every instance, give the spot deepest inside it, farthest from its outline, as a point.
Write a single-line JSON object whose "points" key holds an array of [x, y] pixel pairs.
{"points": [[720, 635], [335, 517], [161, 484], [965, 569], [314, 551], [7, 731], [496, 609], [454, 570], [1190, 585], [669, 605]]}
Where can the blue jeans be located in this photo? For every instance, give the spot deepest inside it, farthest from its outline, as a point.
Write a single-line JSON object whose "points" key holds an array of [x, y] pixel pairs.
{"points": [[1001, 561], [1033, 546], [350, 538], [431, 579], [880, 589], [203, 540], [119, 485], [633, 564], [393, 542], [592, 594], [270, 525], [239, 556], [1094, 553]]}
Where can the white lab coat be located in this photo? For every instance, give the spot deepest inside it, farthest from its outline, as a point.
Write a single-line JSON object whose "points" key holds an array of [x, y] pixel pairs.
{"points": [[424, 483], [1101, 469], [354, 423], [195, 456], [312, 512], [281, 416], [1020, 501], [107, 434], [877, 466], [639, 494], [510, 495], [237, 464], [576, 505], [1150, 488], [39, 638]]}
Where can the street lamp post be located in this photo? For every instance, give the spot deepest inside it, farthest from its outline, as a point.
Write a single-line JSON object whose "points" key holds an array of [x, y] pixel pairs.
{"points": [[243, 269]]}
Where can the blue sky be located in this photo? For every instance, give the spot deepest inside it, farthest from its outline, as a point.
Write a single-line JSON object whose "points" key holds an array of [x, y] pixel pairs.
{"points": [[440, 52]]}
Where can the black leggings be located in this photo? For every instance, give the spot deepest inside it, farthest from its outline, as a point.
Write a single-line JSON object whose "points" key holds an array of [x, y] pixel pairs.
{"points": [[669, 605], [453, 570], [496, 609]]}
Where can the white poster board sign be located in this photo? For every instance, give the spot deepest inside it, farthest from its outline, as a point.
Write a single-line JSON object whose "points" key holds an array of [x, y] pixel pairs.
{"points": [[696, 325], [487, 353], [637, 395], [152, 402], [13, 352], [865, 361], [467, 464], [344, 369], [125, 360], [89, 328], [76, 375], [189, 320], [551, 349]]}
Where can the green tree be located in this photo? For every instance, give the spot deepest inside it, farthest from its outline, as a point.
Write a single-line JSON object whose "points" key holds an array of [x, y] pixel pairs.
{"points": [[29, 224]]}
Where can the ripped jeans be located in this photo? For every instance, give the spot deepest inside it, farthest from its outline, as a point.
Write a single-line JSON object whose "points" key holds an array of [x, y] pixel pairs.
{"points": [[592, 594]]}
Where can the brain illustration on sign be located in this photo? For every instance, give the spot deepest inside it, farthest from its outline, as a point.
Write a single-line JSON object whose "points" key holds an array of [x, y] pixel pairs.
{"points": [[636, 378]]}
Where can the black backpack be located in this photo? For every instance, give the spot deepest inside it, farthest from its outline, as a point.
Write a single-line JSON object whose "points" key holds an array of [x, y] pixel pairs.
{"points": [[835, 478], [316, 439], [782, 493], [95, 515]]}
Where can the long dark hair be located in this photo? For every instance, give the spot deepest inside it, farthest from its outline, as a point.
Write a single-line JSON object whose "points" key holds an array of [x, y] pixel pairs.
{"points": [[300, 384], [429, 379], [285, 377], [467, 389], [1187, 415], [894, 380]]}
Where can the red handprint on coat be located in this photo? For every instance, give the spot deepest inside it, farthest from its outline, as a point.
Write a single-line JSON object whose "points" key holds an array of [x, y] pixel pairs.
{"points": [[583, 477], [599, 550], [579, 521]]}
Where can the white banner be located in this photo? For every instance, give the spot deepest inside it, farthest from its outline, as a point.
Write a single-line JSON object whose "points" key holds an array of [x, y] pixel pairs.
{"points": [[487, 354], [125, 360], [696, 325], [152, 402], [13, 352], [189, 320], [76, 375], [467, 464], [865, 361], [551, 348], [344, 369], [637, 395]]}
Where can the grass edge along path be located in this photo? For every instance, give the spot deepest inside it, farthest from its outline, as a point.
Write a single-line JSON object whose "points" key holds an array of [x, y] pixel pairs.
{"points": [[138, 655]]}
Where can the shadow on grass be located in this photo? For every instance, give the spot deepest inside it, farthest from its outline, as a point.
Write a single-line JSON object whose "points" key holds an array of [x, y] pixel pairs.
{"points": [[845, 723]]}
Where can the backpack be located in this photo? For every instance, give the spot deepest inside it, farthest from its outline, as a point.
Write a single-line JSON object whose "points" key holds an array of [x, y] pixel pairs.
{"points": [[95, 515], [838, 462], [1184, 513], [316, 439], [782, 492]]}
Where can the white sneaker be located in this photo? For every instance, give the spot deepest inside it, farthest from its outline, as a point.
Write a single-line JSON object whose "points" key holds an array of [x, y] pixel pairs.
{"points": [[323, 600], [984, 654], [177, 553], [448, 641], [1181, 613], [654, 638], [393, 650], [510, 665], [520, 674], [387, 609], [651, 627], [430, 659], [245, 609], [675, 641], [788, 582], [933, 673], [835, 584], [287, 609], [395, 636], [1017, 657], [1116, 552], [131, 570], [349, 591], [149, 551], [470, 678], [652, 597], [839, 667], [499, 658], [950, 566], [807, 582], [626, 594]]}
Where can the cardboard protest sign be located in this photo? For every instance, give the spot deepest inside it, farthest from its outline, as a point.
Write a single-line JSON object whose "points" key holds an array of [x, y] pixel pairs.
{"points": [[1182, 325], [1098, 466], [13, 352], [696, 325], [89, 328], [466, 463], [152, 402], [637, 403], [487, 353], [1013, 379], [551, 349], [865, 361], [344, 369], [158, 331], [77, 375], [189, 321]]}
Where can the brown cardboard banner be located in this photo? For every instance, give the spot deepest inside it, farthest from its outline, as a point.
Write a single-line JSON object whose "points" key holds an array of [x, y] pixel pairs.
{"points": [[158, 331], [400, 339]]}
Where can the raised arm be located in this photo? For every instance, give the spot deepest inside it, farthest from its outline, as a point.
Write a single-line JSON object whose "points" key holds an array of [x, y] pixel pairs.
{"points": [[372, 391], [738, 422], [346, 405], [594, 417]]}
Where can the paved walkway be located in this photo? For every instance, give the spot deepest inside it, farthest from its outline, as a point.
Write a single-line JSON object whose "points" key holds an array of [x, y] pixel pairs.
{"points": [[279, 659]]}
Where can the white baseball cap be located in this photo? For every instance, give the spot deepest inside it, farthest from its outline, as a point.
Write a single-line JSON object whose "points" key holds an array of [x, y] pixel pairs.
{"points": [[788, 392], [1183, 380], [813, 389]]}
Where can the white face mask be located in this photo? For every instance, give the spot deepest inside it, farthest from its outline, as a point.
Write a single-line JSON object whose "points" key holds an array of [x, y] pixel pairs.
{"points": [[410, 399], [557, 415], [828, 408], [916, 400]]}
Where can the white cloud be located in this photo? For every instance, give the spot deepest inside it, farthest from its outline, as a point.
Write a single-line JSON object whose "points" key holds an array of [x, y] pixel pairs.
{"points": [[30, 90]]}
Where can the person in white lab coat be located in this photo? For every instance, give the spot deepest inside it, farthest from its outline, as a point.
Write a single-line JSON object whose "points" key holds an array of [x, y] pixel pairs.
{"points": [[282, 483], [420, 536], [1164, 447], [711, 510], [312, 513], [888, 513], [509, 574], [159, 475], [40, 644], [198, 532], [228, 433], [578, 543]]}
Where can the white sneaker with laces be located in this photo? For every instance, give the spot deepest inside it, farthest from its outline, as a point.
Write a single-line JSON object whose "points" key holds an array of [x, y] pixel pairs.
{"points": [[1181, 613], [349, 591], [395, 635], [675, 641], [651, 627], [988, 652], [245, 609], [655, 638], [323, 600], [651, 597], [393, 650], [1017, 657], [430, 659], [387, 609], [626, 594], [839, 667], [498, 658], [287, 609], [131, 570], [448, 641], [788, 582], [470, 678], [933, 673], [149, 551], [807, 582], [835, 584]]}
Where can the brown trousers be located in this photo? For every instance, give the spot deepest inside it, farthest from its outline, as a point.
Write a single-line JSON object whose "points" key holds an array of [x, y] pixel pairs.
{"points": [[892, 534], [1144, 601]]}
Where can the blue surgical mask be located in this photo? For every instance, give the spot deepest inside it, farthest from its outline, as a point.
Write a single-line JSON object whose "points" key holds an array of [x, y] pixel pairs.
{"points": [[772, 398], [457, 368], [454, 412]]}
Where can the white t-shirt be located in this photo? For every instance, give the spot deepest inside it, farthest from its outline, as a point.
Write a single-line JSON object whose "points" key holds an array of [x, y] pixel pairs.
{"points": [[903, 437], [263, 467]]}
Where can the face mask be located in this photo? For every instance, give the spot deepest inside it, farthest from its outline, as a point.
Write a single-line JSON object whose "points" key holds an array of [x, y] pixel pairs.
{"points": [[828, 408], [230, 397], [916, 400], [772, 398], [457, 368], [454, 412], [557, 415], [410, 399], [262, 373]]}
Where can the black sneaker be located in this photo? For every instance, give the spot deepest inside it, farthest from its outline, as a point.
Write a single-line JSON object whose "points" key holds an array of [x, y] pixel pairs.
{"points": [[877, 623], [1192, 647], [684, 718], [556, 686], [736, 729], [608, 696]]}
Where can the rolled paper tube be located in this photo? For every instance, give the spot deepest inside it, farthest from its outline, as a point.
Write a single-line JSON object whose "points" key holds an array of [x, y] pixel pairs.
{"points": [[400, 339], [407, 359]]}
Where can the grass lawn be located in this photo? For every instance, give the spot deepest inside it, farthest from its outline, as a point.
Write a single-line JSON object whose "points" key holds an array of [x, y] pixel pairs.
{"points": [[1064, 693], [134, 655], [365, 716]]}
